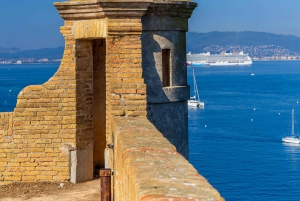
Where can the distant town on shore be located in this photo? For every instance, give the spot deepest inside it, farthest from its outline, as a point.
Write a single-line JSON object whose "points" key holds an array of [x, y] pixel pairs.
{"points": [[258, 45], [18, 56]]}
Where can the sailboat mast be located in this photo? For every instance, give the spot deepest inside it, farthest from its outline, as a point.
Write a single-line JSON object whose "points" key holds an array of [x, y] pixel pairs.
{"points": [[195, 95], [293, 123], [195, 87]]}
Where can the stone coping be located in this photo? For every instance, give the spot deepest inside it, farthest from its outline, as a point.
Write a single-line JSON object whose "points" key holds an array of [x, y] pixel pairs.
{"points": [[152, 1], [148, 167], [96, 9]]}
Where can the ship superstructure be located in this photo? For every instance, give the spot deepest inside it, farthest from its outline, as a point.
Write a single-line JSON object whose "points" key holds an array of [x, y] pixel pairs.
{"points": [[223, 59]]}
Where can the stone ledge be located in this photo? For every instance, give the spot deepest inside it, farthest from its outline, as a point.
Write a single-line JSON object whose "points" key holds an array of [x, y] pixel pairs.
{"points": [[169, 94], [76, 10], [147, 166], [91, 9]]}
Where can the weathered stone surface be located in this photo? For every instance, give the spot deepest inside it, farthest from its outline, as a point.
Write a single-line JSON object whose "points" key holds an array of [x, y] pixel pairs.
{"points": [[90, 29], [108, 84], [43, 126], [165, 117], [147, 166], [77, 10], [164, 29]]}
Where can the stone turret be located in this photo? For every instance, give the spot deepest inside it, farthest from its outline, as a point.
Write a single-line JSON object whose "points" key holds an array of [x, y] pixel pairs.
{"points": [[121, 89], [134, 53], [164, 69], [123, 59], [105, 42]]}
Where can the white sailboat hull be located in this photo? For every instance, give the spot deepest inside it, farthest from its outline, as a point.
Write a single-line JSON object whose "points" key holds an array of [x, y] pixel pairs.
{"points": [[293, 140], [195, 100], [195, 103]]}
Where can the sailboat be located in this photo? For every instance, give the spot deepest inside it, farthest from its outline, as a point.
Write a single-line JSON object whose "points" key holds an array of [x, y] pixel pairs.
{"points": [[292, 138], [195, 100]]}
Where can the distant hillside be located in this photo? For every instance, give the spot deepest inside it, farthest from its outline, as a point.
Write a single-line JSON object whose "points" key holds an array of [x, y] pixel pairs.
{"points": [[256, 44], [9, 50], [13, 54]]}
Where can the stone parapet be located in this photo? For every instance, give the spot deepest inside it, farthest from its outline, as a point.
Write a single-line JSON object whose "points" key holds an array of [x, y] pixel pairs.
{"points": [[148, 167], [168, 15]]}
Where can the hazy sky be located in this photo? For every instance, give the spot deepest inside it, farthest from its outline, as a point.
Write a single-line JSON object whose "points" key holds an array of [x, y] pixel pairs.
{"points": [[275, 16], [29, 24], [32, 24]]}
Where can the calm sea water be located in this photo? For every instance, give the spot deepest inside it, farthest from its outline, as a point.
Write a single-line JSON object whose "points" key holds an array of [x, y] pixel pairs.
{"points": [[235, 142], [13, 78]]}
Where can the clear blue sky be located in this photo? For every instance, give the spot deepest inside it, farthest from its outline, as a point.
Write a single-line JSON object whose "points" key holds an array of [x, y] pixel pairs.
{"points": [[274, 16], [32, 24]]}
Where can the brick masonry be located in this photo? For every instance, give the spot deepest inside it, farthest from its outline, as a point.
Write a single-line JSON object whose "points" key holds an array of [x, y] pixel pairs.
{"points": [[52, 120], [51, 128], [148, 167], [99, 95], [42, 129]]}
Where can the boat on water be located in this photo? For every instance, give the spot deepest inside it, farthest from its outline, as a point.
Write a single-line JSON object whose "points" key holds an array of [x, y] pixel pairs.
{"points": [[292, 138], [224, 59], [195, 100]]}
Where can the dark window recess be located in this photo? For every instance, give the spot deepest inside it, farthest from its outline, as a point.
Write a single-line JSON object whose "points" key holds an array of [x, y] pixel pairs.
{"points": [[166, 80]]}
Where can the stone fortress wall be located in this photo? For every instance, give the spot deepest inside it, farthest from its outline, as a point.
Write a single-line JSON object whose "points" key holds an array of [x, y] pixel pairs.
{"points": [[122, 82]]}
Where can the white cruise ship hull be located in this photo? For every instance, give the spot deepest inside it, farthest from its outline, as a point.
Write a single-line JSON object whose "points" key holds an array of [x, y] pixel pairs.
{"points": [[225, 63], [228, 59]]}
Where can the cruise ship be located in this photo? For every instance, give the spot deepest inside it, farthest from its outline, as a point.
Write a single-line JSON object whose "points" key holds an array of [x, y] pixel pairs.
{"points": [[223, 59]]}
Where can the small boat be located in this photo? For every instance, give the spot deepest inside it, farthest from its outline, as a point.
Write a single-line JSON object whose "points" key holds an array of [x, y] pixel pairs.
{"points": [[292, 138], [195, 100]]}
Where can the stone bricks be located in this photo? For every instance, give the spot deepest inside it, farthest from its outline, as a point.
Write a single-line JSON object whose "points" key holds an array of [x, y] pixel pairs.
{"points": [[37, 122], [60, 129], [147, 167]]}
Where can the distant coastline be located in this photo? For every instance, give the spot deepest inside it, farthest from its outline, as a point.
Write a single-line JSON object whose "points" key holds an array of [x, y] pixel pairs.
{"points": [[57, 62], [258, 45], [44, 55], [29, 63], [275, 59]]}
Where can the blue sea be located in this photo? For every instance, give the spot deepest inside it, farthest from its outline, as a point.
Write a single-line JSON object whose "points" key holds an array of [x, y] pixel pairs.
{"points": [[235, 142], [13, 78]]}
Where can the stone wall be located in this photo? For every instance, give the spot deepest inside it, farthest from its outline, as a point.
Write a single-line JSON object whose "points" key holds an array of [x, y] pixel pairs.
{"points": [[60, 130], [44, 126], [164, 30], [53, 135], [148, 167], [6, 150]]}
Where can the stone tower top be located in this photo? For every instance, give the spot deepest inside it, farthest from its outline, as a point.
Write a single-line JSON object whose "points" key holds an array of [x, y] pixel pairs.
{"points": [[96, 9], [155, 1]]}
